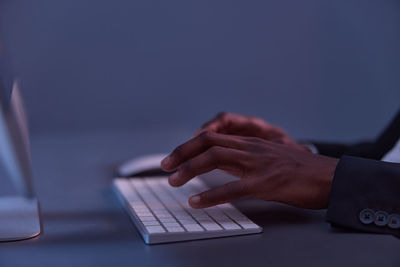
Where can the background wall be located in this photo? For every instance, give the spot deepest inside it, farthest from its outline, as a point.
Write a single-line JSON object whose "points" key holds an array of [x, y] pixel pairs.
{"points": [[323, 69]]}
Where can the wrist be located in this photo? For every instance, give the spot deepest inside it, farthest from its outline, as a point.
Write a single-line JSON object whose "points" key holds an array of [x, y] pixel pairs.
{"points": [[328, 173]]}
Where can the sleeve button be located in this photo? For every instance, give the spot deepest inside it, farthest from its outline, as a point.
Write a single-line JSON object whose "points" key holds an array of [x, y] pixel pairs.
{"points": [[394, 221], [367, 216], [381, 218]]}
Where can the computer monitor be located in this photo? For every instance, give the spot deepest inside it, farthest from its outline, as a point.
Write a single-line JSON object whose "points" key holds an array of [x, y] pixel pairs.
{"points": [[14, 134], [19, 215]]}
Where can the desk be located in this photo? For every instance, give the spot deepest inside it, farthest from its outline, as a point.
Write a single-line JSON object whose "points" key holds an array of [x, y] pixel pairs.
{"points": [[85, 225]]}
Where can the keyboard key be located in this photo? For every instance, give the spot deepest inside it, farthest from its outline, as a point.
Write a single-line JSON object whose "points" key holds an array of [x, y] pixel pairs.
{"points": [[175, 229], [151, 223], [155, 229], [232, 212], [147, 218], [171, 224], [230, 225], [186, 221], [248, 224], [168, 220], [211, 226], [164, 216], [144, 213], [126, 189], [193, 228], [139, 208]]}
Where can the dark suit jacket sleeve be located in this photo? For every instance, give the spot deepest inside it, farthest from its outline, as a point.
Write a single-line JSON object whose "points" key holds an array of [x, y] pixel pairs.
{"points": [[374, 149], [363, 149], [361, 184]]}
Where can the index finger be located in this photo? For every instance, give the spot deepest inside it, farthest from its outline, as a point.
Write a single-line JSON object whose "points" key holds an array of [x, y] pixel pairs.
{"points": [[198, 145]]}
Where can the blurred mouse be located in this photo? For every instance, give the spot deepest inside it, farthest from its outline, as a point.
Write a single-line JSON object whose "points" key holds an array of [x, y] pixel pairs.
{"points": [[144, 166]]}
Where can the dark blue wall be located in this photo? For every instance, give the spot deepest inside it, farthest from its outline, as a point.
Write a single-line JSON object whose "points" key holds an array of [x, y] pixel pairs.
{"points": [[324, 69]]}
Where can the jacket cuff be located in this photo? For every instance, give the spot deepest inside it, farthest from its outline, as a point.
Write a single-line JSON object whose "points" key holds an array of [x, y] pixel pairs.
{"points": [[365, 196]]}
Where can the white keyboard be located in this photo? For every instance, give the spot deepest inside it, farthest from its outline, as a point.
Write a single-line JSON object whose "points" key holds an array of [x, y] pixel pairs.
{"points": [[161, 212]]}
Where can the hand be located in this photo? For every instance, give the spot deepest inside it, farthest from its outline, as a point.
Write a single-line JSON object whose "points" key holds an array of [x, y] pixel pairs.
{"points": [[268, 171], [234, 124]]}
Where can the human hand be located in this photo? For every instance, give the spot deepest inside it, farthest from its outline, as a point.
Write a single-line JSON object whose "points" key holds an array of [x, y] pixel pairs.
{"points": [[235, 124], [267, 170]]}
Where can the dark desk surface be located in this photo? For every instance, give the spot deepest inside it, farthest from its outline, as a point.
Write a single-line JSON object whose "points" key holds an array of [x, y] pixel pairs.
{"points": [[84, 224]]}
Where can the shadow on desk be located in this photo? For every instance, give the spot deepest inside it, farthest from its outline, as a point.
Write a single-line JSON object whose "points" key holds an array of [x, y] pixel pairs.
{"points": [[85, 227], [271, 215]]}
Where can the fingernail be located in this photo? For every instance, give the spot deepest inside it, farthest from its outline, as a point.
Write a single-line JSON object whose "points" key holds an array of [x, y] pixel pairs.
{"points": [[173, 179], [195, 199], [165, 162]]}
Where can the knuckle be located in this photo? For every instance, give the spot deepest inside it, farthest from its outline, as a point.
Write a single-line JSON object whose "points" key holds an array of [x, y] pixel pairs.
{"points": [[185, 169], [244, 166], [213, 153], [237, 190], [257, 120], [244, 190], [205, 136], [222, 114], [255, 140], [178, 151], [225, 116]]}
